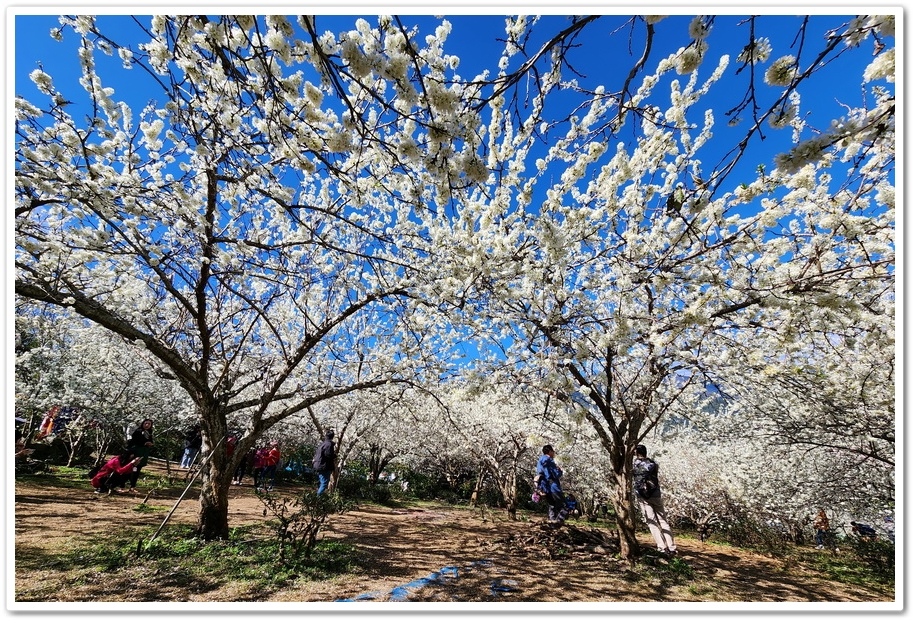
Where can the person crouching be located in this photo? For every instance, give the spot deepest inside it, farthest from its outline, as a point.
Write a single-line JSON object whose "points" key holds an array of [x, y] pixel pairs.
{"points": [[114, 474]]}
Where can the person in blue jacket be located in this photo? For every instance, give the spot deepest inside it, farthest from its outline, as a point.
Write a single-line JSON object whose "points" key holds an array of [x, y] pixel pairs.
{"points": [[548, 480]]}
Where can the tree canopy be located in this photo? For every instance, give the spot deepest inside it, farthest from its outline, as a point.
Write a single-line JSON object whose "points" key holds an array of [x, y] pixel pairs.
{"points": [[296, 214]]}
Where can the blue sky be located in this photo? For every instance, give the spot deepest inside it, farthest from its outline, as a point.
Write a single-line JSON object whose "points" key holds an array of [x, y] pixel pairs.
{"points": [[474, 38]]}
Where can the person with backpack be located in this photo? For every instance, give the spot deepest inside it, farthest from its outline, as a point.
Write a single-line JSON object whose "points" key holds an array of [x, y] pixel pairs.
{"points": [[325, 460], [547, 479], [649, 498]]}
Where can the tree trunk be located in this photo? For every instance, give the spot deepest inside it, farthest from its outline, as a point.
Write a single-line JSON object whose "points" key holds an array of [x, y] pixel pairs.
{"points": [[510, 492], [378, 461], [622, 500], [332, 481], [478, 486], [216, 473], [213, 520], [75, 447], [375, 464]]}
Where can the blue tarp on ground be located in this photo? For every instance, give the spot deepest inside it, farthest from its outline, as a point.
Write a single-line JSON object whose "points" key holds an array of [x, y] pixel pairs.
{"points": [[402, 592]]}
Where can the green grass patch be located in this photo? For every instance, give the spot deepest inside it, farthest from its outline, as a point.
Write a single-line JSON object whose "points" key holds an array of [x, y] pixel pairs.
{"points": [[700, 590], [150, 508], [248, 557], [77, 478], [673, 571], [63, 477], [111, 554], [848, 568]]}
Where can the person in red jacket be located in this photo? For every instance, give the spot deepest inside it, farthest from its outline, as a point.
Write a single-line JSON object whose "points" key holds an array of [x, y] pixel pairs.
{"points": [[271, 462], [114, 474], [257, 467]]}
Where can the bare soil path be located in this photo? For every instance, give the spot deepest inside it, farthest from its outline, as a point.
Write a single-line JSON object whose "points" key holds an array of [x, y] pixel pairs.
{"points": [[432, 553]]}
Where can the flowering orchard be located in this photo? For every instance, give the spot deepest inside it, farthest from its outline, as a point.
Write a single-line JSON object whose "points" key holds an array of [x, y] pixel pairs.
{"points": [[286, 214]]}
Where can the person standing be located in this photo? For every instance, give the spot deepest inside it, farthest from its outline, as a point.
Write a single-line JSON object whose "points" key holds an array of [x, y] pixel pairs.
{"points": [[325, 460], [821, 526], [242, 469], [649, 497], [258, 463], [271, 463], [141, 443], [193, 440], [547, 478]]}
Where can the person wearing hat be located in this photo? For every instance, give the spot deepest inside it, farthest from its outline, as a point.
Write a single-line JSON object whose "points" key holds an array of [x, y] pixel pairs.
{"points": [[325, 460]]}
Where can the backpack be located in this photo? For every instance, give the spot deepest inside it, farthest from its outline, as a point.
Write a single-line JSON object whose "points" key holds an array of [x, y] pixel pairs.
{"points": [[540, 491], [645, 480]]}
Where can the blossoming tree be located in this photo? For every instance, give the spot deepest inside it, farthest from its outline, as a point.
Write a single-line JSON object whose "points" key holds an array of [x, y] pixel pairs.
{"points": [[257, 242], [629, 275], [286, 226], [65, 361]]}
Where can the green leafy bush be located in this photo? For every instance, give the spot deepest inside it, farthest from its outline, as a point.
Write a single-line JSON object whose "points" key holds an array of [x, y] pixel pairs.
{"points": [[878, 555], [298, 520]]}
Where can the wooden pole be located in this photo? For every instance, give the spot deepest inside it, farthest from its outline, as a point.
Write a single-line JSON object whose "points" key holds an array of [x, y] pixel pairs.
{"points": [[183, 493]]}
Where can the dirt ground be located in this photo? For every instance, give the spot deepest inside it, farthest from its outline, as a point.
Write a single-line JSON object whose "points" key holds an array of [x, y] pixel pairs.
{"points": [[426, 554]]}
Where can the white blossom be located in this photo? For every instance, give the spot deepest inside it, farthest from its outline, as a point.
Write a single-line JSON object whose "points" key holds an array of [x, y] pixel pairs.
{"points": [[781, 72], [884, 66], [757, 52]]}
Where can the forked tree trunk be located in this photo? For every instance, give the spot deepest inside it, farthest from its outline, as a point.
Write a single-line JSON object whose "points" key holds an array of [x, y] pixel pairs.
{"points": [[378, 461]]}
